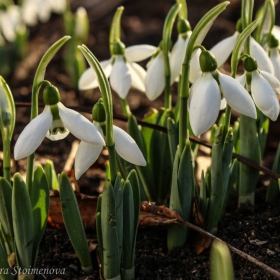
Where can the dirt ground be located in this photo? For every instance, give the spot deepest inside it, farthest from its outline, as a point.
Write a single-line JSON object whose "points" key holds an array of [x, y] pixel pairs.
{"points": [[142, 22]]}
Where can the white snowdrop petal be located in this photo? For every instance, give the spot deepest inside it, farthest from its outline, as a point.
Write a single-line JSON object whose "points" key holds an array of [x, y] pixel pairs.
{"points": [[195, 71], [177, 56], [79, 126], [242, 79], [44, 10], [155, 80], [139, 52], [85, 157], [88, 80], [257, 52], [120, 78], [127, 148], [223, 49], [58, 136], [138, 75], [264, 96], [272, 80], [205, 104], [237, 96], [33, 134], [193, 89], [275, 59], [276, 31], [223, 104]]}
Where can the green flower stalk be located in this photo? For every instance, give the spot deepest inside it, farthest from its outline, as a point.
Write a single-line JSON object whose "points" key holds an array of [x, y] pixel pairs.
{"points": [[7, 124]]}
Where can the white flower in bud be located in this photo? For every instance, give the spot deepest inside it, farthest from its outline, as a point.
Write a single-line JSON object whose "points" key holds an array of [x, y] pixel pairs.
{"points": [[124, 73], [44, 125], [126, 147]]}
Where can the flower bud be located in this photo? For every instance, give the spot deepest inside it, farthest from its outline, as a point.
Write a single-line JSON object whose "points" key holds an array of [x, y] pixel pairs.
{"points": [[98, 112], [118, 48], [250, 64], [51, 95], [183, 26], [273, 42], [207, 62], [82, 25]]}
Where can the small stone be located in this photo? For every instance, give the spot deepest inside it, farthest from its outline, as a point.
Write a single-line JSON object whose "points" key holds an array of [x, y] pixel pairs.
{"points": [[270, 252]]}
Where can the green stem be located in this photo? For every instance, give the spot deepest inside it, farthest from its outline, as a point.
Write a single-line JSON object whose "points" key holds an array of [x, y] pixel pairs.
{"points": [[167, 92], [125, 107], [7, 159], [183, 111]]}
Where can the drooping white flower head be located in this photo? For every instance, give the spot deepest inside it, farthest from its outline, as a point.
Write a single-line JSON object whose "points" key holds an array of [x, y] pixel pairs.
{"points": [[274, 55], [264, 87], [177, 55], [126, 147], [124, 73], [10, 22], [206, 95], [34, 10], [55, 122]]}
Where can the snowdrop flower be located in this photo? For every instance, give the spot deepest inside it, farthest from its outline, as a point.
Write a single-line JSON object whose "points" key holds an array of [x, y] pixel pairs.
{"points": [[32, 10], [124, 73], [224, 48], [125, 146], [55, 122], [263, 87], [10, 22], [206, 94], [274, 55]]}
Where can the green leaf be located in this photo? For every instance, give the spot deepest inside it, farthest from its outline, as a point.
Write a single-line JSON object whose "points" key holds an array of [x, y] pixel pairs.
{"points": [[173, 137], [41, 70], [239, 45], [111, 254], [22, 222], [217, 190], [73, 222], [144, 172], [115, 30], [227, 158], [128, 226], [4, 266], [51, 175], [40, 202], [221, 262], [250, 148], [6, 217]]}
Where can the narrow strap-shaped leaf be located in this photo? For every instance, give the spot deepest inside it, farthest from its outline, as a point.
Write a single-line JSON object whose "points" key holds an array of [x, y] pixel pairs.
{"points": [[111, 254], [73, 222], [239, 45], [6, 217], [227, 158], [4, 266], [40, 202], [216, 192], [172, 132], [128, 219], [51, 175], [221, 262], [22, 222], [145, 172]]}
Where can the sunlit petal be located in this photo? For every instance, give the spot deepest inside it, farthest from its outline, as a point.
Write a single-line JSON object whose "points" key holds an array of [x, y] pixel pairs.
{"points": [[195, 71], [120, 78], [79, 126], [261, 56], [223, 104], [205, 104], [127, 148], [224, 48], [138, 75], [177, 56], [275, 59], [264, 96], [88, 80], [272, 80], [242, 79], [33, 134], [155, 80], [86, 156], [276, 31], [139, 52], [237, 96]]}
